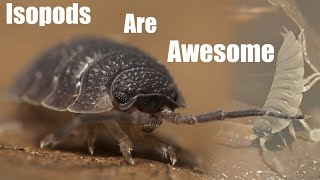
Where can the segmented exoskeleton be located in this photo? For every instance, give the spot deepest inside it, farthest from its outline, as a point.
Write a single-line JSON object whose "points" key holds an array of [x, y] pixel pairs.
{"points": [[285, 95]]}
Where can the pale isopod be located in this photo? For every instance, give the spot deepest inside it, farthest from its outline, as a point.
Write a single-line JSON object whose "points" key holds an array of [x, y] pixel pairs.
{"points": [[285, 95]]}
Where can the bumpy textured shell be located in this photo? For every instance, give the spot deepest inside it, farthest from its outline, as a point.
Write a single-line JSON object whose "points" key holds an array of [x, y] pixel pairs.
{"points": [[77, 75]]}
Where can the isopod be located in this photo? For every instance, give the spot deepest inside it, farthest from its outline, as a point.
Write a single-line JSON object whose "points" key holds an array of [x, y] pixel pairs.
{"points": [[285, 95], [104, 82]]}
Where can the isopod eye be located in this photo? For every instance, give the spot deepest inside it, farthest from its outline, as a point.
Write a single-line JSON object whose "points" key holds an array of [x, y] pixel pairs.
{"points": [[120, 97], [174, 96]]}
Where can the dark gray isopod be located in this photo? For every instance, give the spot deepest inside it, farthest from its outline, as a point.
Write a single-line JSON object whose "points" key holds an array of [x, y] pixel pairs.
{"points": [[103, 82]]}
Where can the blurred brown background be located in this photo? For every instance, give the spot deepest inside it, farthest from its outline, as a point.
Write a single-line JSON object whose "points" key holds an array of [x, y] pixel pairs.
{"points": [[205, 86]]}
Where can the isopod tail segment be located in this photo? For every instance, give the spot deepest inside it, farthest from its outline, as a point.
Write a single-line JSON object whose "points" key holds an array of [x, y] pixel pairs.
{"points": [[177, 118]]}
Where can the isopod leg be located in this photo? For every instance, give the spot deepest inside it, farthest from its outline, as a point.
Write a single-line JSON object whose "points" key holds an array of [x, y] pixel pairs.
{"points": [[79, 120], [315, 76], [124, 142], [305, 125], [292, 131], [283, 139], [262, 142], [167, 151], [55, 138], [91, 139], [91, 121], [310, 81]]}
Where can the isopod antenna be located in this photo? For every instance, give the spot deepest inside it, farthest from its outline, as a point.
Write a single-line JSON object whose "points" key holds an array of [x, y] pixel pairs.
{"points": [[178, 118]]}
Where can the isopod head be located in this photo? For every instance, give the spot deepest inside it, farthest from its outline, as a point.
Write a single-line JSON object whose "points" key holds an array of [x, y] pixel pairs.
{"points": [[262, 128], [146, 90]]}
